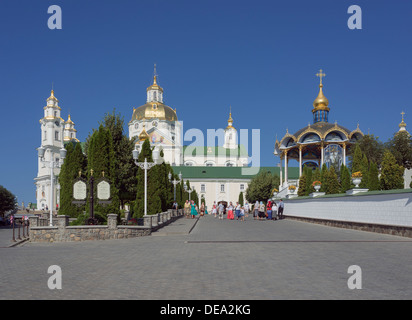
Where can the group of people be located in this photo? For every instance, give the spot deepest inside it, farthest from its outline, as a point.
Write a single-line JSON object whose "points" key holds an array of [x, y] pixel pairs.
{"points": [[192, 210], [260, 211]]}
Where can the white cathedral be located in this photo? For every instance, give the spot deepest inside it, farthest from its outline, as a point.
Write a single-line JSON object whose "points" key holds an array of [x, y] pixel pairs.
{"points": [[157, 122]]}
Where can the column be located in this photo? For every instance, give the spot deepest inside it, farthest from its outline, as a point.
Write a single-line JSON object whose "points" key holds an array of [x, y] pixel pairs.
{"points": [[321, 154], [344, 154], [281, 169], [300, 160], [286, 166]]}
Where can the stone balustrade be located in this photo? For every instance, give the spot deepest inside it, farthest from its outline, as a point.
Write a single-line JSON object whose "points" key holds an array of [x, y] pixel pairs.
{"points": [[61, 231]]}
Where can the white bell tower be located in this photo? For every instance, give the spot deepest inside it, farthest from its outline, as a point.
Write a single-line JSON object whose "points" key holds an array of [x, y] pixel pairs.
{"points": [[52, 138]]}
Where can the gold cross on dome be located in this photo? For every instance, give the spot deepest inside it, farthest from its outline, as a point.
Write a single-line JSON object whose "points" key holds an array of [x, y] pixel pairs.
{"points": [[320, 75], [402, 113]]}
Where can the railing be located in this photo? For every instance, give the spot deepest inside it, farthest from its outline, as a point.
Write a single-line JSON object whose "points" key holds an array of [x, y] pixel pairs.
{"points": [[24, 226]]}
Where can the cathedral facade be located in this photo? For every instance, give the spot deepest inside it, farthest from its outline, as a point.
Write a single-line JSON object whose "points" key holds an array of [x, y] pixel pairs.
{"points": [[159, 123]]}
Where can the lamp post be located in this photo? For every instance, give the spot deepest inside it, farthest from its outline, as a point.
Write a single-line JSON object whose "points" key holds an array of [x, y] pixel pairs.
{"points": [[190, 190], [175, 182], [52, 164], [145, 166]]}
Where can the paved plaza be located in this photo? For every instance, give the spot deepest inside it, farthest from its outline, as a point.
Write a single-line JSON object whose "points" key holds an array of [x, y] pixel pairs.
{"points": [[214, 259]]}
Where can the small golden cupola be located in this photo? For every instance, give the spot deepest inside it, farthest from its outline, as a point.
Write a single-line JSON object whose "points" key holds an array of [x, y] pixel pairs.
{"points": [[320, 105], [143, 135], [230, 120], [402, 125]]}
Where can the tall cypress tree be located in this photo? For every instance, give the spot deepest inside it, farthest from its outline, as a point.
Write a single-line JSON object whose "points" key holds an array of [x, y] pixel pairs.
{"points": [[302, 183], [356, 164], [333, 185], [145, 153], [345, 179], [75, 161], [373, 177], [101, 158], [365, 172]]}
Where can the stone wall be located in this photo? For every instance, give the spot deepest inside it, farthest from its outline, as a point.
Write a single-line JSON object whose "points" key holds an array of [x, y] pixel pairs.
{"points": [[384, 212], [62, 232]]}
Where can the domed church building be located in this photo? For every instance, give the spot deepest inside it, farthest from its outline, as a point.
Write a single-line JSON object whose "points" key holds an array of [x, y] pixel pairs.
{"points": [[159, 123], [317, 143]]}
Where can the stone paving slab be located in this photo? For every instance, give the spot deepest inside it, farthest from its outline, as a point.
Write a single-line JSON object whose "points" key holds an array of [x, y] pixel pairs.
{"points": [[217, 260], [182, 226]]}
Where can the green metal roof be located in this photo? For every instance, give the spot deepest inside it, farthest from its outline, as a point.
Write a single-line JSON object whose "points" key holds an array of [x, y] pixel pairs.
{"points": [[194, 172], [214, 151]]}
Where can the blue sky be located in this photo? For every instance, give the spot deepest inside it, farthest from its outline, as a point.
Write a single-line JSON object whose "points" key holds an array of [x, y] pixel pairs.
{"points": [[258, 56]]}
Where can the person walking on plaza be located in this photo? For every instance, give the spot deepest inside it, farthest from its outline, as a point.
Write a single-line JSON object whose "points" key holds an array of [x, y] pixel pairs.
{"points": [[246, 209], [261, 211], [230, 214], [214, 209], [256, 210], [187, 209], [280, 209], [221, 210], [269, 210], [274, 211], [202, 209], [237, 210], [193, 210], [242, 214]]}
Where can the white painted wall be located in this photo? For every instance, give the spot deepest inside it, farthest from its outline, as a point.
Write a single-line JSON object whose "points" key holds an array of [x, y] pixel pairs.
{"points": [[385, 209]]}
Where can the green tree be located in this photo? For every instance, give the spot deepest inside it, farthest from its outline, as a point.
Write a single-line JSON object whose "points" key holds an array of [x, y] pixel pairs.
{"points": [[365, 172], [309, 181], [240, 200], [302, 183], [124, 170], [401, 147], [356, 163], [391, 173], [8, 201], [101, 161], [371, 147], [373, 177], [332, 182], [261, 186], [323, 175], [153, 198], [74, 163], [345, 179]]}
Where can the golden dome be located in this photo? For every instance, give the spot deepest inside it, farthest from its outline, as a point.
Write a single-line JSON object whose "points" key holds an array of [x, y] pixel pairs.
{"points": [[143, 135], [321, 102], [155, 86], [154, 110]]}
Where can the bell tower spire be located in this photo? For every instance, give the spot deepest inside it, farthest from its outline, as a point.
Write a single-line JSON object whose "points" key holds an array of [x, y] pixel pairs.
{"points": [[155, 92]]}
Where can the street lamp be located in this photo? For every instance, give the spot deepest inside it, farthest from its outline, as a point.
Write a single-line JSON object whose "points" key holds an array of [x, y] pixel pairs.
{"points": [[190, 190], [175, 182], [145, 166], [52, 164]]}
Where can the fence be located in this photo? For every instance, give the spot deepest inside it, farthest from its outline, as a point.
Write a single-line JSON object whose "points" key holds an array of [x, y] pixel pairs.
{"points": [[62, 231]]}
